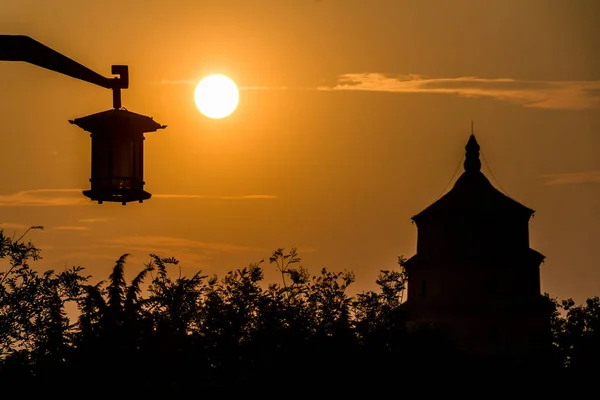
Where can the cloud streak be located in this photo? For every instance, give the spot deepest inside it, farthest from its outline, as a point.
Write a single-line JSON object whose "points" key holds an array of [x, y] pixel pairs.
{"points": [[44, 198], [11, 225], [574, 95], [92, 220], [169, 243], [573, 178], [72, 228], [263, 88], [175, 82], [73, 197], [538, 94], [192, 82], [202, 196]]}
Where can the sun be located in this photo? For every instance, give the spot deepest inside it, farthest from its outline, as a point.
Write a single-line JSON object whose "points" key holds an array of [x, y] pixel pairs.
{"points": [[216, 96]]}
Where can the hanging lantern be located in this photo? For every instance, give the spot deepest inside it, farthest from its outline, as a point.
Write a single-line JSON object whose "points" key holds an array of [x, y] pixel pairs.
{"points": [[117, 154], [117, 134]]}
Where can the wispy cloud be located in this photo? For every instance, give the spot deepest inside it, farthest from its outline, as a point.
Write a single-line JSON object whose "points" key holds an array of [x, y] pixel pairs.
{"points": [[73, 197], [264, 88], [44, 198], [577, 177], [11, 225], [176, 82], [192, 82], [92, 220], [202, 196], [72, 228], [540, 94], [158, 243]]}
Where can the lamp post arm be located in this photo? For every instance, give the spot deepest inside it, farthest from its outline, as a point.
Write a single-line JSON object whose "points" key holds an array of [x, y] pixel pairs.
{"points": [[26, 49]]}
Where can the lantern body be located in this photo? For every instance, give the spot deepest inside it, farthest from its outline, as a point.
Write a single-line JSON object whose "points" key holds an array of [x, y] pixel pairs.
{"points": [[117, 155]]}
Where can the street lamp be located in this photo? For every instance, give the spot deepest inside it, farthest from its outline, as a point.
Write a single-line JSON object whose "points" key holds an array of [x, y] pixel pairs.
{"points": [[117, 134]]}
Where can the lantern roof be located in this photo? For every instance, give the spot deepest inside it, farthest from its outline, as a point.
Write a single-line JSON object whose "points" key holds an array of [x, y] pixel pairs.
{"points": [[117, 118], [473, 193]]}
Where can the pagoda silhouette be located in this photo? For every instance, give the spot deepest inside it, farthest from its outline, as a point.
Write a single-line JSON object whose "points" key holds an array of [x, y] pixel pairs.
{"points": [[474, 274]]}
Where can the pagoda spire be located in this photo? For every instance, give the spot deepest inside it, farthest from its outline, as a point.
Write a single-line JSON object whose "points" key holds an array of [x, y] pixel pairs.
{"points": [[472, 162]]}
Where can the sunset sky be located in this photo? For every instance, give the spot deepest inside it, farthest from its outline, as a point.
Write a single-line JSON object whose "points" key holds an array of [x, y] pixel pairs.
{"points": [[353, 117]]}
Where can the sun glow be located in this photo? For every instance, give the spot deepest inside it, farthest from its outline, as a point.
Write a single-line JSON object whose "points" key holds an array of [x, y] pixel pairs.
{"points": [[216, 96]]}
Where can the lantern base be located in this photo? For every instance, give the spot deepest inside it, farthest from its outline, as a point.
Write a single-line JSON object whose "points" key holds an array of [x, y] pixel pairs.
{"points": [[122, 196]]}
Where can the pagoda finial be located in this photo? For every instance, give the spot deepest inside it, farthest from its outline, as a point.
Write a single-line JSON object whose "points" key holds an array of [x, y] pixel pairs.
{"points": [[472, 162]]}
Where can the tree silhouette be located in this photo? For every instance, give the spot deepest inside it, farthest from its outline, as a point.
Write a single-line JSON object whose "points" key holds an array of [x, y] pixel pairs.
{"points": [[576, 332], [198, 335], [36, 335]]}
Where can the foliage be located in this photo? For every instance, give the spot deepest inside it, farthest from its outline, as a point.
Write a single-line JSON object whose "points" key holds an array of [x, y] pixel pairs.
{"points": [[576, 334], [200, 334]]}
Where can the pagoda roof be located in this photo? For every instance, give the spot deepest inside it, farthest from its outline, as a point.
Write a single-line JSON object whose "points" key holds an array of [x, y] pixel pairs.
{"points": [[117, 118], [473, 193]]}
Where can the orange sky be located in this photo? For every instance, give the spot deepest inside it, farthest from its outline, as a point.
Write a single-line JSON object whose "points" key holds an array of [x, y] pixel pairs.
{"points": [[352, 118]]}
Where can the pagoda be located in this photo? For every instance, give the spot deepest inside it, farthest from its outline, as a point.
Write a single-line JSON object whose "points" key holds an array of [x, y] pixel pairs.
{"points": [[474, 274]]}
